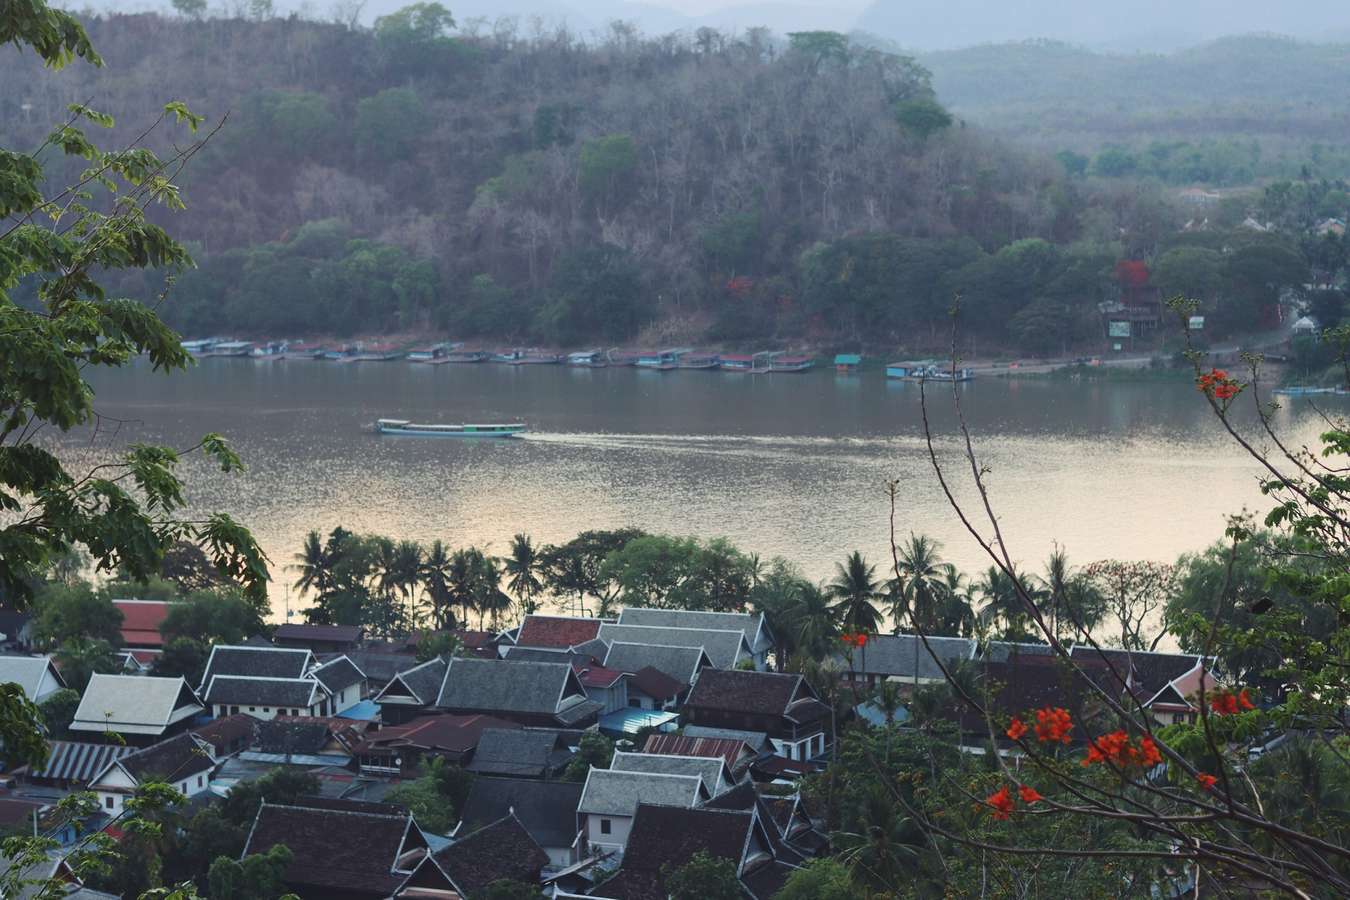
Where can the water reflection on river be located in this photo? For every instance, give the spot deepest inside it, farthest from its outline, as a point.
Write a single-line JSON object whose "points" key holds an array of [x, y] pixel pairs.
{"points": [[791, 465]]}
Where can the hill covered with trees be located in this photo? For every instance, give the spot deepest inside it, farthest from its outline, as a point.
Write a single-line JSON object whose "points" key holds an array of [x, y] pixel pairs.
{"points": [[534, 186], [531, 185]]}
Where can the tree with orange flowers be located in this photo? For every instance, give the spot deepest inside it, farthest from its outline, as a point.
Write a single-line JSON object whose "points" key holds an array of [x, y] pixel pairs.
{"points": [[1200, 815]]}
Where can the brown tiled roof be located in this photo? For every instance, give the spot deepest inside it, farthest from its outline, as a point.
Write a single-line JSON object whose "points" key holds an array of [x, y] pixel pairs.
{"points": [[456, 733], [740, 691], [335, 850], [655, 683], [556, 631], [502, 850], [221, 733], [1014, 688], [14, 811], [169, 760], [682, 745]]}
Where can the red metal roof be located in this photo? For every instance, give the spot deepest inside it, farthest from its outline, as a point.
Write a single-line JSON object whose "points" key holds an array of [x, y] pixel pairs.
{"points": [[680, 745], [556, 631], [141, 620]]}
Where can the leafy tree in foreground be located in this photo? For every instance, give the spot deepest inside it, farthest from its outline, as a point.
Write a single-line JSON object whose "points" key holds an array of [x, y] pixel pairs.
{"points": [[75, 612], [58, 711], [125, 513], [703, 877], [258, 875]]}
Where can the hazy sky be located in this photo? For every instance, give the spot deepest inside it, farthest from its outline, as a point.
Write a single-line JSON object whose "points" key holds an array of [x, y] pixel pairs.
{"points": [[1125, 25]]}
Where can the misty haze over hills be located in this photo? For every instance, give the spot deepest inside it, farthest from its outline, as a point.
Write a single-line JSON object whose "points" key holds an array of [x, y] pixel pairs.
{"points": [[918, 25]]}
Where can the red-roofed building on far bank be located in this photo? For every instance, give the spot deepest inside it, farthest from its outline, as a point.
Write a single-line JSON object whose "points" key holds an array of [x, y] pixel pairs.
{"points": [[558, 632], [140, 623]]}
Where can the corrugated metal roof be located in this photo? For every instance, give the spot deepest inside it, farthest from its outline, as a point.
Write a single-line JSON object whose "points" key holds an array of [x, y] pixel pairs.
{"points": [[77, 761]]}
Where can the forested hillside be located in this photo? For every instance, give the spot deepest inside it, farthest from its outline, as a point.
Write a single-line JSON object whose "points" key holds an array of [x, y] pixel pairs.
{"points": [[1225, 113], [533, 186]]}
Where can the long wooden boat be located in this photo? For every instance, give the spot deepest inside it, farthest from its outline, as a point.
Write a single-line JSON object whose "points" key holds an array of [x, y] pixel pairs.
{"points": [[744, 362], [785, 363], [460, 356], [404, 427], [695, 360], [660, 360]]}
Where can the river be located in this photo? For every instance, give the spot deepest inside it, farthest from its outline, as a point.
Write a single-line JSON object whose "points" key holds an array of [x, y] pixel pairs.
{"points": [[789, 465]]}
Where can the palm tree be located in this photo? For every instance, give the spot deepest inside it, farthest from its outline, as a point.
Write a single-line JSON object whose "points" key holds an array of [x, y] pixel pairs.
{"points": [[314, 565], [1003, 603], [522, 566], [918, 590], [854, 588], [460, 580], [1068, 598], [408, 575], [435, 577], [884, 852], [816, 622], [955, 613]]}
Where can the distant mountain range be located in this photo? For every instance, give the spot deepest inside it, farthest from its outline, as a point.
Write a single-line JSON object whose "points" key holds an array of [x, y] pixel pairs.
{"points": [[1156, 25]]}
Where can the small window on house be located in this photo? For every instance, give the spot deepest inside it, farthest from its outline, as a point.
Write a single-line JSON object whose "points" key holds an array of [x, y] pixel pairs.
{"points": [[234, 710], [199, 781], [267, 709], [1178, 718], [108, 802], [605, 826], [252, 709]]}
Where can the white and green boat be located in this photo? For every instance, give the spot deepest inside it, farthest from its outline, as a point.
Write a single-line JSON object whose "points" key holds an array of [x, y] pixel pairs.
{"points": [[403, 426]]}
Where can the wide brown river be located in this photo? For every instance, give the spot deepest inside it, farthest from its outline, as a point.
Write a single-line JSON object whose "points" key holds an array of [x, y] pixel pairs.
{"points": [[790, 465]]}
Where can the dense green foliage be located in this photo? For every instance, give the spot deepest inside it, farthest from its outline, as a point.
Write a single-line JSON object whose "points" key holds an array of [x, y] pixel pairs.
{"points": [[703, 877]]}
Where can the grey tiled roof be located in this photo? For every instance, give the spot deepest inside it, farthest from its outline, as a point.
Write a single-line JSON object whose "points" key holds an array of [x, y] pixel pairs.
{"points": [[529, 752], [594, 647], [709, 769], [28, 673], [260, 662], [724, 647], [424, 680], [338, 674], [497, 684], [240, 690], [547, 809], [757, 740], [904, 654], [615, 793], [749, 624], [680, 663]]}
